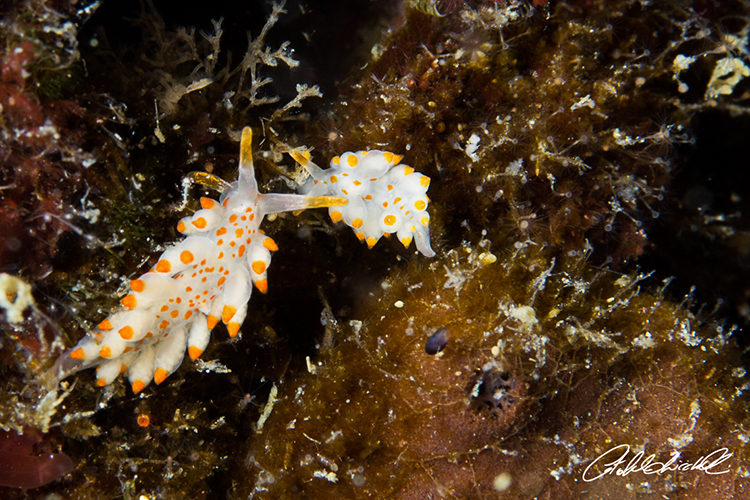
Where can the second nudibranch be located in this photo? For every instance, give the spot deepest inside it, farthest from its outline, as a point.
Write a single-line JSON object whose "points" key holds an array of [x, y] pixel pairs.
{"points": [[385, 197], [207, 277]]}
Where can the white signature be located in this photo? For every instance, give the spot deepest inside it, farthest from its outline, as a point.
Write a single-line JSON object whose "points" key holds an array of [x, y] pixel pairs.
{"points": [[649, 465]]}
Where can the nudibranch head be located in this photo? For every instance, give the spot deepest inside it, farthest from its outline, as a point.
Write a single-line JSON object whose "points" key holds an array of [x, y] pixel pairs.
{"points": [[207, 277], [385, 196]]}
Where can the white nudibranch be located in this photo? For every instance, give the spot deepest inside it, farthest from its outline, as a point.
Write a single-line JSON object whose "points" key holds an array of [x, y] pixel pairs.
{"points": [[207, 277], [384, 196]]}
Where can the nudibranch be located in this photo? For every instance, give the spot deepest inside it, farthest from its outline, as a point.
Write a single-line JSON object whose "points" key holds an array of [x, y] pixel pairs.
{"points": [[206, 277], [385, 197]]}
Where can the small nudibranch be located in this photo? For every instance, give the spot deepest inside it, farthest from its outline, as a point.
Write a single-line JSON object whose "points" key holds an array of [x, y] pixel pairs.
{"points": [[384, 196], [207, 277]]}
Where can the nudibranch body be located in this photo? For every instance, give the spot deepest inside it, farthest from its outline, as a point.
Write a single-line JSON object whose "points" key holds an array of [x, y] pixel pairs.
{"points": [[384, 196], [206, 277]]}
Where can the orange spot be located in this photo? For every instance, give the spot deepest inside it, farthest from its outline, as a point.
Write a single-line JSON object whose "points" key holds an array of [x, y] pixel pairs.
{"points": [[233, 218], [207, 203], [424, 220], [364, 152], [385, 204], [262, 286], [221, 281], [163, 266], [420, 205], [336, 160], [389, 220], [249, 240], [221, 255], [138, 386], [371, 242], [101, 382], [186, 257], [211, 321], [357, 183], [159, 375], [224, 203], [105, 352], [252, 216], [357, 223], [336, 216], [164, 308], [126, 332], [179, 300], [181, 227], [220, 231], [408, 170], [137, 285], [232, 243], [143, 419], [269, 244], [227, 313], [233, 328], [105, 325], [249, 210], [388, 156], [424, 181], [352, 160], [127, 349], [390, 187], [333, 179], [345, 191], [368, 197], [174, 313], [78, 354], [360, 236], [406, 241], [188, 314], [220, 242], [258, 266], [194, 352], [128, 301], [203, 262], [149, 335], [241, 250], [200, 223], [244, 217], [203, 280], [163, 324], [397, 158], [238, 233], [397, 199]]}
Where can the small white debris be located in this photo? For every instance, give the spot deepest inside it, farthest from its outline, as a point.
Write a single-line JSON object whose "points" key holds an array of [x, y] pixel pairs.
{"points": [[322, 474], [15, 297], [502, 481], [472, 145], [267, 409]]}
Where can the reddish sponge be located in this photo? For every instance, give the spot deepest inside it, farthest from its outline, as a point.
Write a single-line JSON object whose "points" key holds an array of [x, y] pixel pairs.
{"points": [[21, 468]]}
